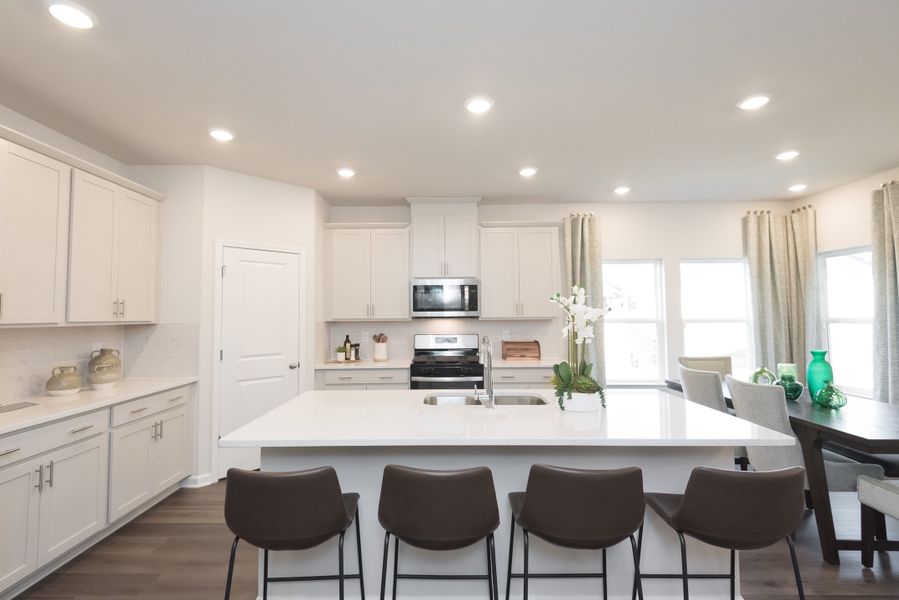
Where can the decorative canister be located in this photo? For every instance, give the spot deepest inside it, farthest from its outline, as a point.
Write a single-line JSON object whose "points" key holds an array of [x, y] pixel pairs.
{"points": [[64, 381], [105, 368], [819, 372]]}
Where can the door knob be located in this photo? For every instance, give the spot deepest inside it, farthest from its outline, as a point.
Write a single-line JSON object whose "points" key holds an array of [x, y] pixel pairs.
{"points": [[293, 365]]}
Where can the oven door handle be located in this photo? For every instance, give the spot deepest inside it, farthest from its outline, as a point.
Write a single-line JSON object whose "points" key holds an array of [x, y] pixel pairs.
{"points": [[446, 379]]}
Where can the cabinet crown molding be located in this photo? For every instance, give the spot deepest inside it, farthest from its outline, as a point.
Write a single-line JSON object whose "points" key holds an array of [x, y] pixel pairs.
{"points": [[366, 225], [443, 199]]}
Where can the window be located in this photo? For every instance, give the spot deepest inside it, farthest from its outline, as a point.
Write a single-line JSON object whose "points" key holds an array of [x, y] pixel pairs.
{"points": [[715, 311], [634, 329], [848, 309]]}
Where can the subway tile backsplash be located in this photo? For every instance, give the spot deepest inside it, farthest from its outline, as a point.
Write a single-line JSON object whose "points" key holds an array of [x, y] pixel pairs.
{"points": [[162, 350], [28, 355]]}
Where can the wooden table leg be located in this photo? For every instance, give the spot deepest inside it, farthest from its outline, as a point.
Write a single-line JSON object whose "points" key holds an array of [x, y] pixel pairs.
{"points": [[810, 439]]}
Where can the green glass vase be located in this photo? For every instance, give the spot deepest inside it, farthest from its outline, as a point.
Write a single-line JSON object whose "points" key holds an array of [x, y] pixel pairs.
{"points": [[786, 378], [819, 372], [830, 396]]}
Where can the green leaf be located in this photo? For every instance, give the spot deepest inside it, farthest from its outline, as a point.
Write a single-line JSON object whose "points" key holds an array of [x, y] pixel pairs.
{"points": [[587, 368]]}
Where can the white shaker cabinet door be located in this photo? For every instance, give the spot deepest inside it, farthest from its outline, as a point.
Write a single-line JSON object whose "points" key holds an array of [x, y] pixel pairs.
{"points": [[461, 245], [130, 467], [538, 266], [428, 249], [499, 273], [136, 218], [18, 522], [73, 500], [389, 274], [34, 236], [92, 265], [350, 273], [171, 452]]}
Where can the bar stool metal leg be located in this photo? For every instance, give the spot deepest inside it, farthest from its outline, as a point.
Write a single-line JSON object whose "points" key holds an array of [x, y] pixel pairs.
{"points": [[359, 555], [525, 572], [489, 572], [340, 564], [683, 562], [733, 575], [509, 572], [796, 569], [231, 568], [638, 582], [396, 561], [605, 586], [492, 541], [383, 565], [265, 575]]}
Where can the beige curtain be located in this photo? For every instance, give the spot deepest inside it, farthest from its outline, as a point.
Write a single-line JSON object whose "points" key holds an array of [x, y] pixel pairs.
{"points": [[885, 265], [782, 254], [583, 266]]}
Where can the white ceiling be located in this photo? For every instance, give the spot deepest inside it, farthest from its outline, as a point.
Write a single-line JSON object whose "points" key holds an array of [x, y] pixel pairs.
{"points": [[594, 93]]}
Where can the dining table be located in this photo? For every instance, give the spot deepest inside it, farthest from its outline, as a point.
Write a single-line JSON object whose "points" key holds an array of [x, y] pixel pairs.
{"points": [[862, 430]]}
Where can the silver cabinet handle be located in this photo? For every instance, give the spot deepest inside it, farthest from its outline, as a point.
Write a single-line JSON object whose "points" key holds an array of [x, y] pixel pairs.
{"points": [[139, 410], [8, 452], [50, 478], [372, 310], [40, 478], [175, 399], [80, 429], [507, 376], [161, 429], [123, 308], [346, 378], [387, 377], [155, 435], [115, 309], [293, 365]]}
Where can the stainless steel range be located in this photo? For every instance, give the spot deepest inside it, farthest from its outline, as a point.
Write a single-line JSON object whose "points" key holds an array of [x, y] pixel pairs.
{"points": [[444, 361]]}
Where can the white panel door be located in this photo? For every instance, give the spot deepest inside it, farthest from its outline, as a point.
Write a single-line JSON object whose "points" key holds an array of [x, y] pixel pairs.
{"points": [[389, 274], [350, 273], [499, 273], [130, 466], [92, 253], [170, 455], [34, 236], [538, 249], [136, 243], [18, 522], [73, 501], [461, 245], [428, 250], [260, 339]]}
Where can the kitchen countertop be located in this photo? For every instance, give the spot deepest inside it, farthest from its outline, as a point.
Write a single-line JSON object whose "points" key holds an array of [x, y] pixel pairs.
{"points": [[371, 418], [543, 363], [393, 363], [54, 408]]}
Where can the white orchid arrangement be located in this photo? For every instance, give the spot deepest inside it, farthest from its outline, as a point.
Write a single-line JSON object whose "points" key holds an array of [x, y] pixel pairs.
{"points": [[574, 375]]}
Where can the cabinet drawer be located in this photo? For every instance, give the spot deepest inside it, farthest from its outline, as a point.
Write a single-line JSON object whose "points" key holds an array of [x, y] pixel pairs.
{"points": [[525, 375], [148, 405], [343, 377], [35, 441]]}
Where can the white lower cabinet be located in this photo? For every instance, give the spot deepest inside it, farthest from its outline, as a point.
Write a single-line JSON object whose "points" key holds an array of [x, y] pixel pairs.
{"points": [[362, 379], [18, 523], [146, 457], [522, 378]]}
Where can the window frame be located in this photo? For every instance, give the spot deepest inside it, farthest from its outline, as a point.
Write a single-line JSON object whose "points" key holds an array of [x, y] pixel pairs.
{"points": [[826, 319], [658, 321], [747, 320]]}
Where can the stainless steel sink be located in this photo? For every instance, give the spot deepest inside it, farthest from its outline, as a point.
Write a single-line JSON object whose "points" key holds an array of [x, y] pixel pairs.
{"points": [[451, 400]]}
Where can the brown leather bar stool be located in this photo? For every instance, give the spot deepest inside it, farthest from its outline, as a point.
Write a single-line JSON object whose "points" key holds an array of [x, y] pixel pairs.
{"points": [[438, 510], [736, 510], [290, 511], [577, 508]]}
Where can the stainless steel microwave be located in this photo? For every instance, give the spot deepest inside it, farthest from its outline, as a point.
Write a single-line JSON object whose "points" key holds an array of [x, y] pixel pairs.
{"points": [[445, 297]]}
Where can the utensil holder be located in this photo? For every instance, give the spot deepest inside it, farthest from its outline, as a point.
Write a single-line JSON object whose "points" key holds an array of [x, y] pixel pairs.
{"points": [[380, 351]]}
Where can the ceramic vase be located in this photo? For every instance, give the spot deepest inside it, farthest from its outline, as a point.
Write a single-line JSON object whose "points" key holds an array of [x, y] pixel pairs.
{"points": [[579, 402], [830, 396], [64, 381], [104, 369], [819, 372]]}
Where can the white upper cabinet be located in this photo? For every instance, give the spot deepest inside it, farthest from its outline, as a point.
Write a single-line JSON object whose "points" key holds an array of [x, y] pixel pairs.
{"points": [[112, 256], [444, 239], [34, 236], [369, 273], [519, 272]]}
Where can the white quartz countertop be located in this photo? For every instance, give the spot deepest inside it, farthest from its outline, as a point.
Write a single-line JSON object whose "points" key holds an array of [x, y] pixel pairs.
{"points": [[399, 418], [394, 363], [543, 363], [50, 408]]}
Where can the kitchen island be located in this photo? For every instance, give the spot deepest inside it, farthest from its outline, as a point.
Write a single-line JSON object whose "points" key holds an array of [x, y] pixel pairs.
{"points": [[359, 432]]}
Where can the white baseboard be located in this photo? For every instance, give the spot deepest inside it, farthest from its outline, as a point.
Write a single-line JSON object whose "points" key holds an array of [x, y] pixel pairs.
{"points": [[198, 481]]}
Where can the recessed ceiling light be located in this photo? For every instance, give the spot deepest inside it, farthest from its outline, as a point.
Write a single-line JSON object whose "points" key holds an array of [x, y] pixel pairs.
{"points": [[479, 104], [754, 102], [346, 172], [799, 187], [72, 15], [788, 155], [528, 172], [222, 135], [622, 190]]}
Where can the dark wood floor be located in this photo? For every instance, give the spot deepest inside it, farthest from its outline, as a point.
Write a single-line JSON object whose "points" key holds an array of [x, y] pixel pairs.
{"points": [[179, 551]]}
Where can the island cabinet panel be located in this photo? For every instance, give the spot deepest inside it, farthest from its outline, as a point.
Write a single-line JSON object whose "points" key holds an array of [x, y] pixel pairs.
{"points": [[519, 272], [18, 522], [73, 496], [369, 274], [34, 236], [112, 255]]}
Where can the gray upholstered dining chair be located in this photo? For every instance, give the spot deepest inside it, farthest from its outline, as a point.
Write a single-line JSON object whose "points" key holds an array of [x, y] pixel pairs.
{"points": [[766, 405], [704, 387], [723, 365]]}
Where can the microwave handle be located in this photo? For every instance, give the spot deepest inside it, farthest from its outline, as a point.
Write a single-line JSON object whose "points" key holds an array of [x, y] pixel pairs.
{"points": [[465, 298]]}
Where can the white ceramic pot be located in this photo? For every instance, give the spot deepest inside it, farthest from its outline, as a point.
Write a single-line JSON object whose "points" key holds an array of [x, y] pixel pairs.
{"points": [[340, 356], [380, 351], [583, 402]]}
